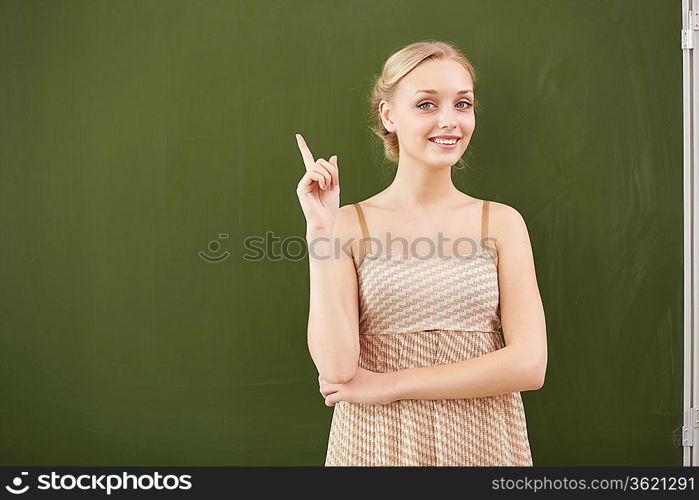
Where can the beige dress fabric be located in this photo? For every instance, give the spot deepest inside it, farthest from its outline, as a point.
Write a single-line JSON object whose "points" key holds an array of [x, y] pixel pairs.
{"points": [[416, 312]]}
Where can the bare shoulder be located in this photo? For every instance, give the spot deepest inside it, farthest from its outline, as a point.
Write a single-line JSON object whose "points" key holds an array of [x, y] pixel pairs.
{"points": [[506, 224], [347, 227], [347, 220], [503, 213]]}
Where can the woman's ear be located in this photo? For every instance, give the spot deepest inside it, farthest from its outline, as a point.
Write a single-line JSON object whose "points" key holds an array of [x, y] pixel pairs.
{"points": [[384, 115]]}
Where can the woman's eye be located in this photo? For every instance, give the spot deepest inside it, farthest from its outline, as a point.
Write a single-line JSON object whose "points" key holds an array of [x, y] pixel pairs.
{"points": [[468, 104]]}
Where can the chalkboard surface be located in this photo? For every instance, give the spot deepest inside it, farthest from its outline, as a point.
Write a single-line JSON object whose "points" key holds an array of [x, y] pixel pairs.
{"points": [[142, 143]]}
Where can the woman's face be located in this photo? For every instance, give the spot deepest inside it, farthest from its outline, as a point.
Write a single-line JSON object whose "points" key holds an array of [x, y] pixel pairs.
{"points": [[416, 116]]}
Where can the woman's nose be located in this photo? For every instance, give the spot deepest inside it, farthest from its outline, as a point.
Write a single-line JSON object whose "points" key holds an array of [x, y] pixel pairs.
{"points": [[447, 119]]}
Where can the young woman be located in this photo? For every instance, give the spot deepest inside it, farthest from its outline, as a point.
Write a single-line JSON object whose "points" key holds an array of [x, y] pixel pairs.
{"points": [[406, 337]]}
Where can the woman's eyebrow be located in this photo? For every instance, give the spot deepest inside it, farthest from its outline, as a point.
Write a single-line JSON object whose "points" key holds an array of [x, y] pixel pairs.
{"points": [[432, 91]]}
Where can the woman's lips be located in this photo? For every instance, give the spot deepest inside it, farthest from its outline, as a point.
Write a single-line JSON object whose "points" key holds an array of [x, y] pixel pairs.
{"points": [[446, 146]]}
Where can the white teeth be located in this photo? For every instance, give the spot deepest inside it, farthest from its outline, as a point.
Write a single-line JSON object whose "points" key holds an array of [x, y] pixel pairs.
{"points": [[444, 141]]}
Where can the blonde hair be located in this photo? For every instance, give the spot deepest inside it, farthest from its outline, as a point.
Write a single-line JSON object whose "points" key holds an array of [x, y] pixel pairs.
{"points": [[394, 69]]}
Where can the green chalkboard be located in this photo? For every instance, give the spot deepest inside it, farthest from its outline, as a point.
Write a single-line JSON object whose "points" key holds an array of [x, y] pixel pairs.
{"points": [[143, 143]]}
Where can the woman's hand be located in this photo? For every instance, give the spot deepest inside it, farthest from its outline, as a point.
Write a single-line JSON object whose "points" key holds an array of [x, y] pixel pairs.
{"points": [[366, 387], [319, 189]]}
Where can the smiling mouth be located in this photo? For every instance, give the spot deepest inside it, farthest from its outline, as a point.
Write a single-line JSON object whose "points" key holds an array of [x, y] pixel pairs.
{"points": [[449, 143]]}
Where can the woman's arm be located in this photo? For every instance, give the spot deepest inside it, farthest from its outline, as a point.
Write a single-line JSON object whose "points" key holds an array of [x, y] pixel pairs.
{"points": [[521, 364], [333, 333], [333, 323]]}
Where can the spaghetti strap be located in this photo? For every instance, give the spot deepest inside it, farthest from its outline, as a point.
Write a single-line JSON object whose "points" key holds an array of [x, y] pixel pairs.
{"points": [[484, 223], [363, 249]]}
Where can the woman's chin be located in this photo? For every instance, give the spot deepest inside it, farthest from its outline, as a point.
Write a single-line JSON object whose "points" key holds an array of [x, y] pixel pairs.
{"points": [[441, 164], [443, 161]]}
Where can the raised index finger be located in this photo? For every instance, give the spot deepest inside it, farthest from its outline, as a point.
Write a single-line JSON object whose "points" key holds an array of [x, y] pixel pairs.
{"points": [[305, 152]]}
